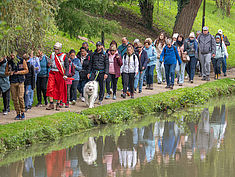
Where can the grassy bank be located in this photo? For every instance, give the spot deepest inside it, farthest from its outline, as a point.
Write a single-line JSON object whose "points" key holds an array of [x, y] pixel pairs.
{"points": [[51, 128], [164, 18]]}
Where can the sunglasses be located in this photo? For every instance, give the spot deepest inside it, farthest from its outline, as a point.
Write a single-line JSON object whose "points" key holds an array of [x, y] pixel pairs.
{"points": [[112, 50], [56, 49], [168, 44]]}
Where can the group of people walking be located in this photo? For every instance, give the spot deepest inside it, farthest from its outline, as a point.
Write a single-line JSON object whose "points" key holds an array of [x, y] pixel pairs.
{"points": [[59, 76]]}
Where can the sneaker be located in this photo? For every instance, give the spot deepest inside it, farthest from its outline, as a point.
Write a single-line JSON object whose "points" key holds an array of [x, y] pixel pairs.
{"points": [[17, 117], [128, 93], [159, 83], [114, 97], [203, 78], [22, 116], [108, 96], [66, 105], [73, 102], [225, 74], [132, 96], [60, 105], [83, 99], [39, 105], [191, 81], [140, 91], [5, 113], [171, 87], [167, 86], [163, 80], [50, 107], [100, 102], [207, 78], [144, 83], [111, 91], [30, 106], [200, 75], [180, 84], [123, 95]]}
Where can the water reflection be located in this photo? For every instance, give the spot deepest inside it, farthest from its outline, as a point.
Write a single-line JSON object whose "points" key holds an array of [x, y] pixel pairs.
{"points": [[159, 143]]}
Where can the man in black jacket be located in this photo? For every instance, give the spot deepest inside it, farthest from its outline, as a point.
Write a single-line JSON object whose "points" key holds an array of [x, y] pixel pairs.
{"points": [[99, 69]]}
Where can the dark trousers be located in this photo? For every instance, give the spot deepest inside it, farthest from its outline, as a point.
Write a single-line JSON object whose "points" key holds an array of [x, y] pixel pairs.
{"points": [[170, 73], [41, 89], [192, 67], [73, 90], [111, 78], [216, 65], [100, 79], [6, 100], [128, 80], [81, 85]]}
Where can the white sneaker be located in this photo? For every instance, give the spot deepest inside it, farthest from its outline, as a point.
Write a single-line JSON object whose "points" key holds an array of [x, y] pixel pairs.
{"points": [[73, 102], [5, 113], [83, 99]]}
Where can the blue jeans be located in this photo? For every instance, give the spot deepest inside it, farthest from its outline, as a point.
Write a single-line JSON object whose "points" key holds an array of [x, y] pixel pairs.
{"points": [[149, 74], [160, 71], [28, 96], [192, 67], [139, 79], [180, 69], [224, 64], [170, 72]]}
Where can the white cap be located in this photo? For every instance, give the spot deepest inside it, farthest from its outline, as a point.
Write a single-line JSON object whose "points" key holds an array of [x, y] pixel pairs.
{"points": [[220, 31], [58, 46], [192, 34], [136, 41], [175, 35]]}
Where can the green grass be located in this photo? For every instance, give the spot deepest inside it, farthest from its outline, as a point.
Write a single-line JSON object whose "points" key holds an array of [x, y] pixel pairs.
{"points": [[164, 18]]}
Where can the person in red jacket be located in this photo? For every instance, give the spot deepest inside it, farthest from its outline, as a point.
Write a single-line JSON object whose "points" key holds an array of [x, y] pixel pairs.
{"points": [[56, 87]]}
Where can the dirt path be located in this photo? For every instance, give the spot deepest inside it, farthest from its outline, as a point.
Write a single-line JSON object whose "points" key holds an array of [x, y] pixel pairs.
{"points": [[41, 111]]}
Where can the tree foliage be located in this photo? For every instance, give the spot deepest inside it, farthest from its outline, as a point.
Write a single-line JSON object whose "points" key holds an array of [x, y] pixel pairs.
{"points": [[25, 23], [80, 17], [225, 5]]}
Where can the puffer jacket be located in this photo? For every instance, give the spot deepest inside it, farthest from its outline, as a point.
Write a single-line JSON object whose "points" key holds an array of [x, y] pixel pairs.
{"points": [[4, 80], [130, 64], [206, 44], [220, 50], [99, 62]]}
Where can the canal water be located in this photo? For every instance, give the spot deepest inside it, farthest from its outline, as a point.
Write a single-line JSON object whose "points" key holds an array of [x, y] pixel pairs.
{"points": [[158, 148]]}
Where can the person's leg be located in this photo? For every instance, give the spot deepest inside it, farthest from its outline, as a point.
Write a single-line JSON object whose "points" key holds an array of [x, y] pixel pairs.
{"points": [[31, 94], [141, 80], [136, 82], [193, 62], [21, 97], [172, 74], [158, 70], [220, 60], [167, 71], [151, 73], [26, 96], [177, 71], [114, 83], [38, 89], [44, 89], [207, 64], [163, 72], [14, 95], [131, 83], [107, 82], [101, 81], [5, 96], [147, 75], [224, 64], [181, 74], [74, 90], [125, 80]]}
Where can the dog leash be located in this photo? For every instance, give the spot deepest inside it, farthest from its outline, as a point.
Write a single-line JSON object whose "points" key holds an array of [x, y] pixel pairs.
{"points": [[97, 75]]}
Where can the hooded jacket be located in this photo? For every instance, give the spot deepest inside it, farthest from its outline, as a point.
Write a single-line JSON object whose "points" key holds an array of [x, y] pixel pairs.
{"points": [[130, 64], [206, 44]]}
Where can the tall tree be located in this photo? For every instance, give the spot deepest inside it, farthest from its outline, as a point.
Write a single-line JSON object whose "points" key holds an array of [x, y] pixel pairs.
{"points": [[187, 12], [146, 9]]}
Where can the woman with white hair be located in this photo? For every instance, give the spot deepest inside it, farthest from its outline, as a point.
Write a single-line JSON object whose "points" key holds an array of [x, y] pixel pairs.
{"points": [[56, 87], [170, 56]]}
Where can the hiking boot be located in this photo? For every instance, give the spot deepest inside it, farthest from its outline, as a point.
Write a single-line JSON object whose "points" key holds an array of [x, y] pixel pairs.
{"points": [[108, 96], [18, 117], [159, 82], [22, 116], [167, 87], [180, 84], [123, 95], [50, 107], [57, 108], [150, 86]]}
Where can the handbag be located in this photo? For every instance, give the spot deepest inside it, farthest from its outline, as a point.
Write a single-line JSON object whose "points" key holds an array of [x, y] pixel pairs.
{"points": [[185, 58]]}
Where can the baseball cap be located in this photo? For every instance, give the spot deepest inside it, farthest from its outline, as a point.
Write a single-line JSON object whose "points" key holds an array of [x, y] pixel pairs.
{"points": [[205, 28], [220, 31], [98, 43]]}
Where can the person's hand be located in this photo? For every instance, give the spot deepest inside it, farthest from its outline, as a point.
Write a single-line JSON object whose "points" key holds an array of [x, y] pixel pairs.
{"points": [[65, 77], [213, 55], [143, 68], [88, 76], [11, 73], [36, 68], [16, 72], [105, 76], [141, 72]]}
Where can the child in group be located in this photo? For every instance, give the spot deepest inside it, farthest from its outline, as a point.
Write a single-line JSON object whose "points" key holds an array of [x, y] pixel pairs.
{"points": [[220, 49]]}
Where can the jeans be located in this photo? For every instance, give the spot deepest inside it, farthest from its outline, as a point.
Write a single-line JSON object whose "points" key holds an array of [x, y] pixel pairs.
{"points": [[128, 80], [216, 64], [42, 89], [170, 72], [205, 63], [180, 73], [68, 92], [73, 90], [192, 67], [224, 64], [139, 80], [111, 78], [160, 71], [28, 96], [149, 74]]}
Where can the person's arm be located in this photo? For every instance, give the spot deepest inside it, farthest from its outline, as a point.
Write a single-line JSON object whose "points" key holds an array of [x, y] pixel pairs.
{"points": [[226, 41], [154, 57], [145, 55], [66, 66], [223, 51], [177, 56], [39, 67], [213, 47], [119, 60], [32, 77], [196, 49], [106, 60], [7, 72], [136, 64], [25, 71], [162, 54], [122, 65]]}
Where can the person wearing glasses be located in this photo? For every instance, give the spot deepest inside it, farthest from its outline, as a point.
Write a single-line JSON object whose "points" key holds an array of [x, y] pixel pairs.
{"points": [[56, 87], [115, 63], [143, 61], [170, 56]]}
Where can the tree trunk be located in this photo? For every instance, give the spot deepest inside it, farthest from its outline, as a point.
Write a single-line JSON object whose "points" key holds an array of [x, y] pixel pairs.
{"points": [[228, 8], [146, 9], [186, 16]]}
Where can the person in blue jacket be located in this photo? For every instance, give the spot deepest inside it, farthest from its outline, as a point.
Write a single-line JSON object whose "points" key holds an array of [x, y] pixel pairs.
{"points": [[170, 56]]}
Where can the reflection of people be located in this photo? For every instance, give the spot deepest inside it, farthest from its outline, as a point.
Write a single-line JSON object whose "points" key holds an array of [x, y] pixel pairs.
{"points": [[204, 134], [149, 143], [29, 169]]}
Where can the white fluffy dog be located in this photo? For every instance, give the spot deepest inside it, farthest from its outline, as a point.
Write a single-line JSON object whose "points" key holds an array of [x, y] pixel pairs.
{"points": [[90, 93]]}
